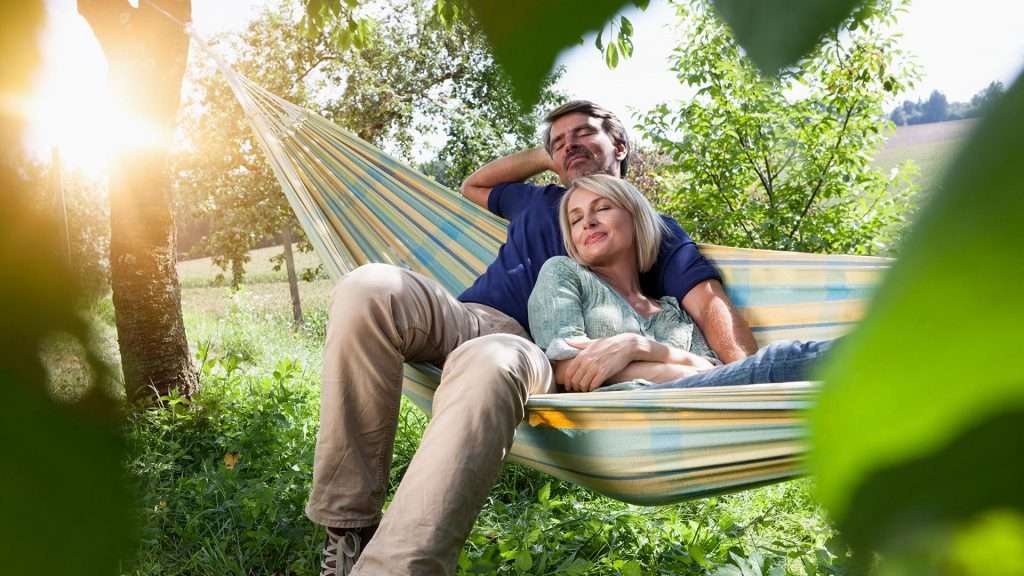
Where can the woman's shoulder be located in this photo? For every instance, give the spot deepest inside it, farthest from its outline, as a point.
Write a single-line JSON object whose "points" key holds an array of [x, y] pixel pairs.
{"points": [[561, 265], [559, 262]]}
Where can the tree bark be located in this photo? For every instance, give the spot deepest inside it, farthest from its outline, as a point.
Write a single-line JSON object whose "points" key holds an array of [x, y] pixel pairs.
{"points": [[293, 279], [146, 52]]}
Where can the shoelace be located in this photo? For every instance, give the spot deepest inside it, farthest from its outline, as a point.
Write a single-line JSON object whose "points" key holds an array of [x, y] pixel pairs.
{"points": [[341, 553]]}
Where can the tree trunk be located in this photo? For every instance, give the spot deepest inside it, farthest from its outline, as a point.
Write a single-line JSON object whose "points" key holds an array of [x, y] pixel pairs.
{"points": [[293, 279], [146, 52]]}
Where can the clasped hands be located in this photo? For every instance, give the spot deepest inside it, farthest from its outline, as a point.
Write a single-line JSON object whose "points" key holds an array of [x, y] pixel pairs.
{"points": [[625, 357]]}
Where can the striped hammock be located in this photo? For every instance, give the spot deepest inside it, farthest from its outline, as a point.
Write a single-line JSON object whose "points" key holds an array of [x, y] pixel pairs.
{"points": [[357, 205]]}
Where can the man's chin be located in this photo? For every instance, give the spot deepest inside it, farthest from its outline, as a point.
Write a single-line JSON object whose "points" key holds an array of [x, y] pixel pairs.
{"points": [[587, 169]]}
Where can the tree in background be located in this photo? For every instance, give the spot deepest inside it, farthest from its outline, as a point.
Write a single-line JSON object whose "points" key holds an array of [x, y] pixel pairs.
{"points": [[937, 108], [224, 178], [146, 52], [784, 163], [426, 75]]}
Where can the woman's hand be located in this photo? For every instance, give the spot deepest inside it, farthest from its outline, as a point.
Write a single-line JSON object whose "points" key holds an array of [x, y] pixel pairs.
{"points": [[598, 361]]}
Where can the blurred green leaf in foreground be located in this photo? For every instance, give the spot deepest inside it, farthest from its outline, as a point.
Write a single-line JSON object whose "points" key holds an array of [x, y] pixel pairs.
{"points": [[921, 421], [64, 507], [527, 36]]}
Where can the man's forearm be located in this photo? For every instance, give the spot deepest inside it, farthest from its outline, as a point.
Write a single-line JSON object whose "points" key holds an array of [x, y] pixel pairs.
{"points": [[727, 332], [512, 168], [724, 329]]}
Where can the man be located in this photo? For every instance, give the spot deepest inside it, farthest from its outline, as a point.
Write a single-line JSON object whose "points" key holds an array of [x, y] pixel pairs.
{"points": [[382, 316]]}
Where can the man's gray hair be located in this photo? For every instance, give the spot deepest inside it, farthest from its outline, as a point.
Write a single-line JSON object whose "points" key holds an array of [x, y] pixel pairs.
{"points": [[610, 123]]}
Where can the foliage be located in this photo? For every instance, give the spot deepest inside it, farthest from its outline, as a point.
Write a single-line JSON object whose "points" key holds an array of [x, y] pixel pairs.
{"points": [[64, 501], [426, 75], [527, 39], [225, 476], [798, 26], [938, 109], [784, 163]]}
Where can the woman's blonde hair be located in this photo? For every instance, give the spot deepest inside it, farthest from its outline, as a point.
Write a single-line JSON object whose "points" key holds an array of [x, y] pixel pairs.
{"points": [[648, 226]]}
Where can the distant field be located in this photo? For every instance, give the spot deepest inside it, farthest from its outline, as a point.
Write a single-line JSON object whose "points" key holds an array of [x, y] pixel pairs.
{"points": [[259, 269], [930, 146]]}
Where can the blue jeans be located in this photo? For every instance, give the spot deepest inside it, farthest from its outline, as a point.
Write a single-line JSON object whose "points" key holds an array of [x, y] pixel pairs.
{"points": [[787, 361]]}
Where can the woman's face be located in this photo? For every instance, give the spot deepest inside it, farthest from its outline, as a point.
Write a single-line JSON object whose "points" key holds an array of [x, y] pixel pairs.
{"points": [[602, 231]]}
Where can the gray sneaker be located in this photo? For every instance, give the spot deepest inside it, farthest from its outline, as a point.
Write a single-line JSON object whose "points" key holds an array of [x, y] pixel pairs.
{"points": [[342, 549]]}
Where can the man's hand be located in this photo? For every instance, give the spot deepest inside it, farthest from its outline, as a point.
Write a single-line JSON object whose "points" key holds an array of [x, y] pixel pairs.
{"points": [[598, 361]]}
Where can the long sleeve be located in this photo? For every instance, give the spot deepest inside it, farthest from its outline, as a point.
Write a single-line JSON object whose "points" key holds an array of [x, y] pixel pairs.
{"points": [[556, 306]]}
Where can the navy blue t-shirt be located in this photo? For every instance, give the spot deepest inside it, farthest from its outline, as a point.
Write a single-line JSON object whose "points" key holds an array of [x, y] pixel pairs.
{"points": [[534, 236]]}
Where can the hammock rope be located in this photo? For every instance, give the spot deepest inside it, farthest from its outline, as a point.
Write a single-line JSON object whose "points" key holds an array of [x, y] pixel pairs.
{"points": [[357, 205]]}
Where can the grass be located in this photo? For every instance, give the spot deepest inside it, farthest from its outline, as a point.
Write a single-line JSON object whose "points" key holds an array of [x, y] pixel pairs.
{"points": [[223, 477]]}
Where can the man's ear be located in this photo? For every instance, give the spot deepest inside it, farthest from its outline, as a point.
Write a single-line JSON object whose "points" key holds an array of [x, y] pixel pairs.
{"points": [[620, 150]]}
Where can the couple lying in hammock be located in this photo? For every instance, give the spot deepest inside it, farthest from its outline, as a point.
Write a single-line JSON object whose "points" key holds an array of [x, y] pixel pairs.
{"points": [[591, 316], [617, 311]]}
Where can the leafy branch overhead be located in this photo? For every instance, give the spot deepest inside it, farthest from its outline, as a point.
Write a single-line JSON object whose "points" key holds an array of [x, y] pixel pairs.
{"points": [[525, 37]]}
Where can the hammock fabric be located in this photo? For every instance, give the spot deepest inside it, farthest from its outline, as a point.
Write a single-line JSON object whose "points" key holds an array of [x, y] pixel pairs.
{"points": [[357, 205]]}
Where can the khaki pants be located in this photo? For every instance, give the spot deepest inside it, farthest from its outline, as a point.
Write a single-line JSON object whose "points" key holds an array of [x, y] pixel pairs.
{"points": [[380, 317]]}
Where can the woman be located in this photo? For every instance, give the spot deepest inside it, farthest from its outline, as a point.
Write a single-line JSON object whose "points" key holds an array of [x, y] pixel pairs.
{"points": [[588, 312]]}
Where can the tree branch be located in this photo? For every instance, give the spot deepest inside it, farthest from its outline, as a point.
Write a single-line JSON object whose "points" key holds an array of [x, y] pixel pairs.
{"points": [[757, 170], [728, 204], [824, 171]]}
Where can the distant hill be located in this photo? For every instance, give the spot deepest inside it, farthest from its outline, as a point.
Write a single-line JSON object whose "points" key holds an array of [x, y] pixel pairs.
{"points": [[930, 146]]}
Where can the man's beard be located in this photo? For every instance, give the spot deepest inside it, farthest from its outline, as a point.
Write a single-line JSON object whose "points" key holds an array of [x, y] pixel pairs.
{"points": [[588, 167]]}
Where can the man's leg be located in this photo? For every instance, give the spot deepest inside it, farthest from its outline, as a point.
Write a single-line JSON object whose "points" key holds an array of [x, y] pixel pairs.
{"points": [[380, 316], [479, 403], [788, 361]]}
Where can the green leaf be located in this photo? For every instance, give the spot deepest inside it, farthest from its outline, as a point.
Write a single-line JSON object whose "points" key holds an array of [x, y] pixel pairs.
{"points": [[776, 33], [528, 36], [544, 494], [611, 56], [625, 26], [921, 418], [631, 568], [523, 560], [599, 41], [626, 46]]}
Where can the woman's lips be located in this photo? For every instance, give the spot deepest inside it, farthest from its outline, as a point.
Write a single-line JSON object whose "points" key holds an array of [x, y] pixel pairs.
{"points": [[595, 237]]}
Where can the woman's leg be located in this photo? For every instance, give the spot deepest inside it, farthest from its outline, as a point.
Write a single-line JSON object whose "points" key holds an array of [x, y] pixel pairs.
{"points": [[788, 361]]}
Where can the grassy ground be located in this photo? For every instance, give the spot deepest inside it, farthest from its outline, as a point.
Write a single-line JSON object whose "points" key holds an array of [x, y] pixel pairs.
{"points": [[224, 477]]}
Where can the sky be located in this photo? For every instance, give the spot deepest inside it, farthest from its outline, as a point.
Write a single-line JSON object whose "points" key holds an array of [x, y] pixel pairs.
{"points": [[961, 47]]}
